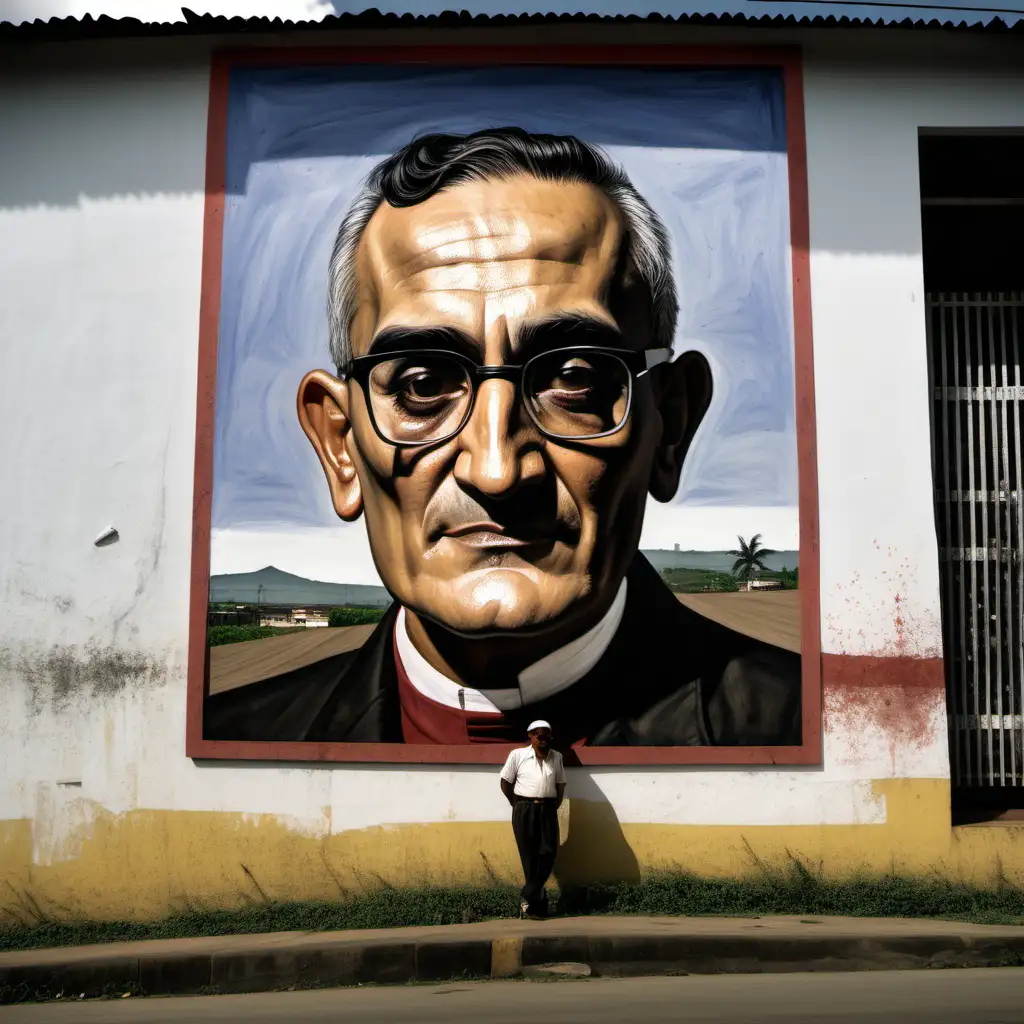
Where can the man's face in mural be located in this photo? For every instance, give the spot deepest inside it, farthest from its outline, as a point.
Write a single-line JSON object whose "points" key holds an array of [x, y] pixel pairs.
{"points": [[500, 528]]}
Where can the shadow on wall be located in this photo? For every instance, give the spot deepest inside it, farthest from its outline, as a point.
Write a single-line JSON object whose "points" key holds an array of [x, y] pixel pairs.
{"points": [[79, 129], [58, 152], [595, 850]]}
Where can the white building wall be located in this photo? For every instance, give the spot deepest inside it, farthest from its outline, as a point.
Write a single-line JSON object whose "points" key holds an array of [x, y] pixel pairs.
{"points": [[101, 212], [877, 528]]}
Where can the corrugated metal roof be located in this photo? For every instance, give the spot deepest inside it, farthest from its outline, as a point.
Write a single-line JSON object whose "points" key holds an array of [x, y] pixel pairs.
{"points": [[760, 13]]}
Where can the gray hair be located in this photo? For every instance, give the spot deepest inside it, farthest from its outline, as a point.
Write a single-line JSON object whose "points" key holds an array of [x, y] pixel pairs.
{"points": [[433, 163]]}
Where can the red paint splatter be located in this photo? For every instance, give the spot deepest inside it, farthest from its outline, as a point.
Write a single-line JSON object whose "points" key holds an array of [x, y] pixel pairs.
{"points": [[901, 639], [895, 696]]}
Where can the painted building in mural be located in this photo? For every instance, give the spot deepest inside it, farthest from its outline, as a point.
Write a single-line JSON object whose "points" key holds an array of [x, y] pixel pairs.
{"points": [[403, 387]]}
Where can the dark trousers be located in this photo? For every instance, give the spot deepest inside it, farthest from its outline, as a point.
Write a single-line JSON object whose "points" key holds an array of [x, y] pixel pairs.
{"points": [[535, 826]]}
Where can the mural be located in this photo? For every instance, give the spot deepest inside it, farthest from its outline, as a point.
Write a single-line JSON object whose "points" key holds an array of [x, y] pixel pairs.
{"points": [[505, 410]]}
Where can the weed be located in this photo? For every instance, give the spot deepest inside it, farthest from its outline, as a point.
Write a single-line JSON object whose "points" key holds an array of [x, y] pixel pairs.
{"points": [[792, 889]]}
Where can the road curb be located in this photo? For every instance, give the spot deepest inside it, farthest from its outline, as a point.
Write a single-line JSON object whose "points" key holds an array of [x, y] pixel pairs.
{"points": [[314, 961]]}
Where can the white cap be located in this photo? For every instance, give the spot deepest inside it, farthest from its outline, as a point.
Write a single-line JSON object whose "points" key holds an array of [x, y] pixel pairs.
{"points": [[539, 724]]}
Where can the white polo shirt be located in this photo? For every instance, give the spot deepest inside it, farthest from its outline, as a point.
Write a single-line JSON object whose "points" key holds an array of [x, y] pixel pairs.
{"points": [[532, 777]]}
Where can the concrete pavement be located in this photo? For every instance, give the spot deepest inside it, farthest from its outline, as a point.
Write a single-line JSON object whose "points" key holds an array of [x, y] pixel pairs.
{"points": [[891, 997], [601, 946]]}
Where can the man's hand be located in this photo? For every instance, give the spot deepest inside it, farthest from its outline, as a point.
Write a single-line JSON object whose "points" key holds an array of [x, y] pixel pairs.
{"points": [[509, 790], [559, 794]]}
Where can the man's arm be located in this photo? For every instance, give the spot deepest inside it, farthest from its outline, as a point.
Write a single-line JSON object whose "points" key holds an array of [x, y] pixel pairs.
{"points": [[509, 790], [508, 778], [560, 781]]}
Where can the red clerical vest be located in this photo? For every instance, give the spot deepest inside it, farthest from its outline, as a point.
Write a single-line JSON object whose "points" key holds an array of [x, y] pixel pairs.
{"points": [[426, 721]]}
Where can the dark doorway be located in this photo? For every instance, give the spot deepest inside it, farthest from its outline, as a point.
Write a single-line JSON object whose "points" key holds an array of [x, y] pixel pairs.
{"points": [[972, 212]]}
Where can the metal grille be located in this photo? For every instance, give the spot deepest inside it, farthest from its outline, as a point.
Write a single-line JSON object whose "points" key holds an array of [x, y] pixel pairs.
{"points": [[975, 342]]}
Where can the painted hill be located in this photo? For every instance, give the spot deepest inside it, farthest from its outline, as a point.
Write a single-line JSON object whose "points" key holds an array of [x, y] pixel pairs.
{"points": [[272, 586]]}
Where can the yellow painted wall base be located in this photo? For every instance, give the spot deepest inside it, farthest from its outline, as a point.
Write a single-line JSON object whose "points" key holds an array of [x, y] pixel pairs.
{"points": [[143, 864]]}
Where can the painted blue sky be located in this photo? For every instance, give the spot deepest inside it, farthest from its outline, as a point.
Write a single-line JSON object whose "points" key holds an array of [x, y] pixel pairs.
{"points": [[706, 148]]}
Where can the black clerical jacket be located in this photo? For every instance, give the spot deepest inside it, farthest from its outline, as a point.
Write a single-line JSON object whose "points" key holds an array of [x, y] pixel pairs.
{"points": [[669, 678]]}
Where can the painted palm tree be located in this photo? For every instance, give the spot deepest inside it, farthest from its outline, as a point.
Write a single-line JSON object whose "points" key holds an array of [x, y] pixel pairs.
{"points": [[749, 558]]}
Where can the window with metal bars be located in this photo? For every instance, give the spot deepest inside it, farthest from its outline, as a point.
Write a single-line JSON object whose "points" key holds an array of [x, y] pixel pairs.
{"points": [[977, 388], [972, 217]]}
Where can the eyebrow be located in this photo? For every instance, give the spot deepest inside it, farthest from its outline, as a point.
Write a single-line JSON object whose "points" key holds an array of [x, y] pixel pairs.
{"points": [[405, 339], [563, 330], [556, 331]]}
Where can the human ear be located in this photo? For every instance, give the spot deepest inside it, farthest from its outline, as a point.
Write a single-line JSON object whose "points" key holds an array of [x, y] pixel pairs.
{"points": [[323, 415], [683, 395]]}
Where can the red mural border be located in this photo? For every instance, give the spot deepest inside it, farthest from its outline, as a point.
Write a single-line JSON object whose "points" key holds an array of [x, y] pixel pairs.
{"points": [[788, 60]]}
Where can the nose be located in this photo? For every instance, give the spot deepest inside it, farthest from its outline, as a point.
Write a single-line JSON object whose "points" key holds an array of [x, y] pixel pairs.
{"points": [[500, 451]]}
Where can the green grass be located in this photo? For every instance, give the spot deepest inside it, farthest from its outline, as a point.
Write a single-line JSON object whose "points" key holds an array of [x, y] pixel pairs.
{"points": [[696, 581], [354, 616], [801, 892], [794, 891], [218, 635]]}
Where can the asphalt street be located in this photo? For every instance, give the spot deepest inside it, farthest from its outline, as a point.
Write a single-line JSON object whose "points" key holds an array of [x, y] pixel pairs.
{"points": [[935, 997]]}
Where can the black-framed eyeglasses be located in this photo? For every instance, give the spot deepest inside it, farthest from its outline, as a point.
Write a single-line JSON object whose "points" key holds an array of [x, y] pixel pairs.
{"points": [[426, 396]]}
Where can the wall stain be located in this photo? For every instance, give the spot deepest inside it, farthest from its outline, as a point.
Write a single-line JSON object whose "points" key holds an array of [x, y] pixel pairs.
{"points": [[62, 673], [904, 716], [150, 564], [906, 632], [896, 697]]}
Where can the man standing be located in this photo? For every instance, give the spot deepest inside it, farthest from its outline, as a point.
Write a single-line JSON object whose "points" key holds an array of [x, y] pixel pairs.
{"points": [[533, 781]]}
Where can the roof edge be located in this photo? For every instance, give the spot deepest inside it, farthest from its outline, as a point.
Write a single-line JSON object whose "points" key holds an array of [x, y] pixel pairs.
{"points": [[105, 27]]}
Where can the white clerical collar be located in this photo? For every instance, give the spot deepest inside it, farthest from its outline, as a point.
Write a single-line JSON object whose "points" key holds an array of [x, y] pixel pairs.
{"points": [[552, 674]]}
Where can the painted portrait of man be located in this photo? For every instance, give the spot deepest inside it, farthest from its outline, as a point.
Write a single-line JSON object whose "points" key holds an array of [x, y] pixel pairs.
{"points": [[506, 395]]}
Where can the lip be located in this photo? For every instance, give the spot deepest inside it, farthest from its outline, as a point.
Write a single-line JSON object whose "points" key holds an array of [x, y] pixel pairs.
{"points": [[487, 535]]}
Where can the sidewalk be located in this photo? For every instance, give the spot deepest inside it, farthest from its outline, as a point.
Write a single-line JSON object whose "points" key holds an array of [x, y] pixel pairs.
{"points": [[504, 949]]}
